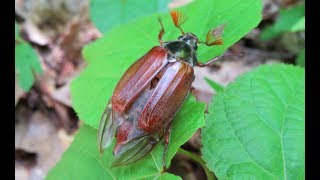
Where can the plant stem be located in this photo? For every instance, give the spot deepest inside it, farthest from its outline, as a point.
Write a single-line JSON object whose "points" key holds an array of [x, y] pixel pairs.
{"points": [[199, 160]]}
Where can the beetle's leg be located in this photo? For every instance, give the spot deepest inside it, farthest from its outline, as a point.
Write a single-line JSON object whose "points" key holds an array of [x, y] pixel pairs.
{"points": [[209, 62], [166, 143], [161, 31]]}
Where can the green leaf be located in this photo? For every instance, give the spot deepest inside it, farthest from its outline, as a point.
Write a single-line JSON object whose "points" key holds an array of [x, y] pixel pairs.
{"points": [[300, 25], [111, 55], [289, 20], [166, 176], [107, 14], [255, 128], [26, 65], [301, 58], [269, 33], [216, 86], [289, 17], [82, 159]]}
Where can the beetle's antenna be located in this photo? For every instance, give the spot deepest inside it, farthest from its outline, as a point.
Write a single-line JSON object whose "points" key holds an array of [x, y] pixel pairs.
{"points": [[161, 31], [178, 19], [214, 36]]}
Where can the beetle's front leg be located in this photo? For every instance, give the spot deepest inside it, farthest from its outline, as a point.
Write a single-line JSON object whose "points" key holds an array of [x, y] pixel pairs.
{"points": [[166, 143], [209, 63]]}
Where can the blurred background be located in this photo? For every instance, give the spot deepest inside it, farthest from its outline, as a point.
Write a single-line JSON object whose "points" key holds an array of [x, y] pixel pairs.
{"points": [[50, 35]]}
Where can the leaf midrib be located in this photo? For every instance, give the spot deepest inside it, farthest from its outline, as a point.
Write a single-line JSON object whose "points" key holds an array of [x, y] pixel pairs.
{"points": [[284, 117]]}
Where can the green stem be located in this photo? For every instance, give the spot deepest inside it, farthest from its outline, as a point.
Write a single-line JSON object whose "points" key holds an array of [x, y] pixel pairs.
{"points": [[199, 160]]}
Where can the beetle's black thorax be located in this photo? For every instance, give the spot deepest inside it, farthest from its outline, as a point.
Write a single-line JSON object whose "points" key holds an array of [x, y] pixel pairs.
{"points": [[180, 50], [183, 49]]}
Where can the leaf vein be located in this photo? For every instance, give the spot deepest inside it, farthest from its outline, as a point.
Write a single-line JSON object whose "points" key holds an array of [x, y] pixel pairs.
{"points": [[245, 150]]}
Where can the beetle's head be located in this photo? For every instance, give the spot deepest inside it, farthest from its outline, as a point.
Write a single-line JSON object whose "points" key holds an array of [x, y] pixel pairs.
{"points": [[190, 39], [213, 36]]}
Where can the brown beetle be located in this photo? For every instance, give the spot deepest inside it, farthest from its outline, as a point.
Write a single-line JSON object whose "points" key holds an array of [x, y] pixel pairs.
{"points": [[150, 93]]}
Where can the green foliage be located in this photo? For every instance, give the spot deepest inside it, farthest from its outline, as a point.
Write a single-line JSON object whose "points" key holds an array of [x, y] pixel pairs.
{"points": [[107, 14], [299, 25], [255, 128], [26, 64], [289, 20], [82, 160], [301, 58]]}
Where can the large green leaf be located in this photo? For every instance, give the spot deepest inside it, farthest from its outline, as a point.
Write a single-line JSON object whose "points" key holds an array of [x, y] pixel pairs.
{"points": [[26, 65], [82, 159], [255, 128], [289, 20], [111, 55], [107, 14]]}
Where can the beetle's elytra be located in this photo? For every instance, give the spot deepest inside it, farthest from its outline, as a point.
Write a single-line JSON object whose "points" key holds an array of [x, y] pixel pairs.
{"points": [[150, 93]]}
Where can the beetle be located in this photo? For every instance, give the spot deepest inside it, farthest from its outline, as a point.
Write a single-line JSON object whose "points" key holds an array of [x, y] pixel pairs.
{"points": [[149, 94]]}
